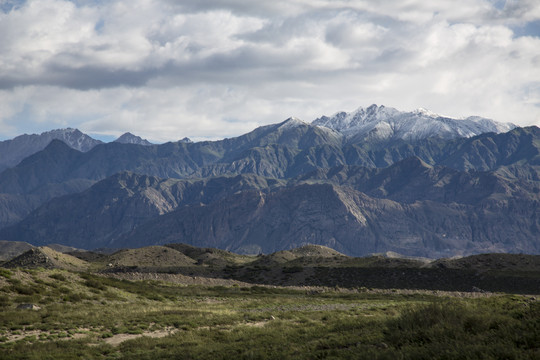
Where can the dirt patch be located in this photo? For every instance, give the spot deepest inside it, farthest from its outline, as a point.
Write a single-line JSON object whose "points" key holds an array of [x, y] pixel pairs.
{"points": [[77, 334], [257, 324], [116, 340]]}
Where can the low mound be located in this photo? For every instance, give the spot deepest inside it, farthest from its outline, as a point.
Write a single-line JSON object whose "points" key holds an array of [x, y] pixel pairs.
{"points": [[315, 251], [210, 256], [10, 249], [305, 254], [151, 256], [62, 248], [277, 258], [48, 258]]}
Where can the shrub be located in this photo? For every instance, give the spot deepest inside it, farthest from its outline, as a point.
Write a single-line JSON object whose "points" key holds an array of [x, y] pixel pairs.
{"points": [[4, 301], [23, 290], [460, 330], [95, 284], [57, 276], [5, 273], [292, 269]]}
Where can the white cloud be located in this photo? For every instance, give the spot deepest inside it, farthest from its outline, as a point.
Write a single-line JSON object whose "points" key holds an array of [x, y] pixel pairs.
{"points": [[207, 69]]}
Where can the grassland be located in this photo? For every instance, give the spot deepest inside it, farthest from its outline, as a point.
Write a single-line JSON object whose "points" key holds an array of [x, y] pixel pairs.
{"points": [[90, 316]]}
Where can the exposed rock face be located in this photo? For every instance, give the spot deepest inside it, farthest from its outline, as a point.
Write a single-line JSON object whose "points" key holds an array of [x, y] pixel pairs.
{"points": [[411, 208], [96, 217], [343, 219]]}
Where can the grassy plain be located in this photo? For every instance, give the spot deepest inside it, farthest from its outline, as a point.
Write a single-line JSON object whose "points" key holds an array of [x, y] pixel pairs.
{"points": [[84, 315]]}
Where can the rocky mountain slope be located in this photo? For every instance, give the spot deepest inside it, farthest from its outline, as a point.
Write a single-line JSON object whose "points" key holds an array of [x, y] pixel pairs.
{"points": [[410, 207], [346, 220], [96, 217]]}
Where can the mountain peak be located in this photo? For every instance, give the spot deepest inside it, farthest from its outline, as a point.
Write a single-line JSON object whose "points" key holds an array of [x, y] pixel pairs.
{"points": [[292, 122], [379, 124], [426, 112], [129, 138], [68, 130]]}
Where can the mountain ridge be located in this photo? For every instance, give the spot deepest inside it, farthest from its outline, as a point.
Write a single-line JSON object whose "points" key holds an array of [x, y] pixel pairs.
{"points": [[380, 123], [14, 150]]}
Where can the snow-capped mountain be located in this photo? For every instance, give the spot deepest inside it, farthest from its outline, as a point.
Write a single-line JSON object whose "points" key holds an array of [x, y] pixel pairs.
{"points": [[72, 137], [129, 138], [13, 151], [380, 123]]}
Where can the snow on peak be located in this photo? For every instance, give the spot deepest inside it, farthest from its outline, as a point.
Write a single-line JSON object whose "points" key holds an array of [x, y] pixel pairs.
{"points": [[72, 137], [422, 111], [348, 123], [380, 123], [291, 123]]}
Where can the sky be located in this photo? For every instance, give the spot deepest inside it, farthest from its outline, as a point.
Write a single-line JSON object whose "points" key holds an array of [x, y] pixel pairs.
{"points": [[210, 69]]}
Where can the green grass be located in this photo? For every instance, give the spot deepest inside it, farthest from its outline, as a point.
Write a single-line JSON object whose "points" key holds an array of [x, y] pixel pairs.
{"points": [[81, 312]]}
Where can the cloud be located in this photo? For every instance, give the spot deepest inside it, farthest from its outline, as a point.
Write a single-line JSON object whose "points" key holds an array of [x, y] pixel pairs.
{"points": [[208, 69]]}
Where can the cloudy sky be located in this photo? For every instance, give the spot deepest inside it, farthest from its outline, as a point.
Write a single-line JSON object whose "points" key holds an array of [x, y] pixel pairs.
{"points": [[207, 69]]}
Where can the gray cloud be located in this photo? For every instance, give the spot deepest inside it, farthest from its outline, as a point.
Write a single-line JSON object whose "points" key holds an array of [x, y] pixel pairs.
{"points": [[217, 68]]}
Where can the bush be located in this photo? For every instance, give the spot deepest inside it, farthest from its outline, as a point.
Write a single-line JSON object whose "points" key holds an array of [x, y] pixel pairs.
{"points": [[23, 290], [460, 330], [292, 269], [5, 273], [75, 297], [95, 284], [59, 277], [4, 301]]}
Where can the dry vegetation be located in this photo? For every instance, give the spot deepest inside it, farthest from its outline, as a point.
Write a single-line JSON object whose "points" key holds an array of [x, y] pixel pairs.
{"points": [[184, 302]]}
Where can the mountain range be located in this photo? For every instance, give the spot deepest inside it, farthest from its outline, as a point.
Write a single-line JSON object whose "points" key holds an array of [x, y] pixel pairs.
{"points": [[14, 150], [370, 181]]}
